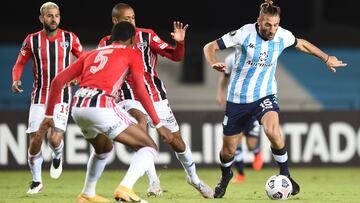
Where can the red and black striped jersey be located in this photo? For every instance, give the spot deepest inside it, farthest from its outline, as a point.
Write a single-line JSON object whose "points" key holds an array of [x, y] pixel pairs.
{"points": [[101, 73], [150, 45], [50, 56]]}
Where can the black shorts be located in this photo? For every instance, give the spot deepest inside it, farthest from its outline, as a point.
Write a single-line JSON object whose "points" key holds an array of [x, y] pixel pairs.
{"points": [[252, 129]]}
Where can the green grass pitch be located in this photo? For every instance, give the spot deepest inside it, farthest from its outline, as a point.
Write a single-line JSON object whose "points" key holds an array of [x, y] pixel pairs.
{"points": [[317, 185]]}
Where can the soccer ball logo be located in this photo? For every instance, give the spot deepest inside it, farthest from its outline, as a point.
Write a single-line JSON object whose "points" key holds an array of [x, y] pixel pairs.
{"points": [[278, 187]]}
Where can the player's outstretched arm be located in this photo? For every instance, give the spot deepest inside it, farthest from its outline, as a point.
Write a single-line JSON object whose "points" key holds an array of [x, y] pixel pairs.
{"points": [[24, 56], [209, 52], [176, 53], [179, 31], [331, 61]]}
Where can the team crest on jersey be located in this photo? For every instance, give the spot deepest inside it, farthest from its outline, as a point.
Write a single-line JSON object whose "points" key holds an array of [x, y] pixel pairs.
{"points": [[141, 45], [64, 44]]}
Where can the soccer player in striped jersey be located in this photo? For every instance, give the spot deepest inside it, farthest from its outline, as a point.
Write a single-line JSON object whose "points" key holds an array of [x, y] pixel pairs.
{"points": [[149, 44], [252, 130], [51, 50], [102, 72], [252, 87]]}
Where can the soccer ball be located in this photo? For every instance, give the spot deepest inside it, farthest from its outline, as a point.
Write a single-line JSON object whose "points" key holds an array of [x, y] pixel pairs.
{"points": [[278, 187]]}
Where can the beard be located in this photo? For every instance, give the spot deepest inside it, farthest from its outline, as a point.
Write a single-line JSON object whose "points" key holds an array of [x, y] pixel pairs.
{"points": [[266, 35], [49, 29]]}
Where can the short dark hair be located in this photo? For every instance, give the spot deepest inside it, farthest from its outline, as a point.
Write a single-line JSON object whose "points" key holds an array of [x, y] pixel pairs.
{"points": [[122, 31]]}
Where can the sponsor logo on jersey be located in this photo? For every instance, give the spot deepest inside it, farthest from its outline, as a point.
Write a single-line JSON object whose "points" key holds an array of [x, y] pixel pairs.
{"points": [[258, 64], [113, 127], [263, 57], [232, 33], [86, 92], [163, 45], [61, 118], [251, 45], [170, 119]]}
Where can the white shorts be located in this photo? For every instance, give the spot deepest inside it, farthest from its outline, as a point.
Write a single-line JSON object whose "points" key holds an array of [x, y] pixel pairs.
{"points": [[37, 114], [162, 109], [108, 121]]}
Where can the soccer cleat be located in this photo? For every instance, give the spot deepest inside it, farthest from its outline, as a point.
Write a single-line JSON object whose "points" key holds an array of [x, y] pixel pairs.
{"points": [[295, 187], [124, 194], [220, 188], [202, 187], [258, 162], [238, 179], [85, 198], [35, 187], [154, 189], [56, 168]]}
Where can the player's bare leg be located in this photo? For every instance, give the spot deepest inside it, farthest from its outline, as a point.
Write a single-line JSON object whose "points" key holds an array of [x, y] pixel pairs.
{"points": [[142, 160], [134, 137], [270, 122], [95, 167], [35, 160], [140, 117], [239, 164], [226, 158]]}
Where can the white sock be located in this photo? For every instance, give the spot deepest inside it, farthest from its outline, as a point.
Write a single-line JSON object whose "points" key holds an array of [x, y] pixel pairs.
{"points": [[57, 151], [142, 160], [152, 176], [95, 168], [35, 163], [188, 163], [239, 156]]}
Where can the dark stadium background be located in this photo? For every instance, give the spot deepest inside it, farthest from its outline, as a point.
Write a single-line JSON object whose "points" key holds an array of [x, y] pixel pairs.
{"points": [[326, 22]]}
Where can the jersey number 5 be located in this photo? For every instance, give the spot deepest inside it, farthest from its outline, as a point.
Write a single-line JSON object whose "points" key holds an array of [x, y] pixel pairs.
{"points": [[100, 57]]}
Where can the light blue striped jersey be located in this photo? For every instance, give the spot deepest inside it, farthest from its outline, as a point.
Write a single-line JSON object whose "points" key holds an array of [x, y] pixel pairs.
{"points": [[252, 76], [229, 61]]}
